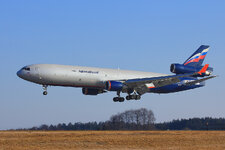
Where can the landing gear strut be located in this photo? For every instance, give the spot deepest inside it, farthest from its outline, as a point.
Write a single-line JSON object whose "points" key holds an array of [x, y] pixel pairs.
{"points": [[45, 89], [118, 99]]}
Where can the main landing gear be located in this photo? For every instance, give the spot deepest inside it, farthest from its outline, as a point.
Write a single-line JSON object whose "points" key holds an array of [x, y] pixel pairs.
{"points": [[134, 96], [45, 89], [118, 99]]}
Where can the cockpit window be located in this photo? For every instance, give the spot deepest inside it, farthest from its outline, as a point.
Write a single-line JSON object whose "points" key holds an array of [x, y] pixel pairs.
{"points": [[26, 68]]}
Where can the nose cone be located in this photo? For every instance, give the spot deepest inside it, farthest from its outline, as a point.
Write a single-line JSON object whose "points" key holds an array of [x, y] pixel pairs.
{"points": [[19, 73]]}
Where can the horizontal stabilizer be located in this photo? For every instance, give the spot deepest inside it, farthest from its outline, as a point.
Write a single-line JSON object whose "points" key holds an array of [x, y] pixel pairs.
{"points": [[203, 70]]}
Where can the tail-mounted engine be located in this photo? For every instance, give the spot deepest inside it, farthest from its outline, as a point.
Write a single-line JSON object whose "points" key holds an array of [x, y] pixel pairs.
{"points": [[182, 69]]}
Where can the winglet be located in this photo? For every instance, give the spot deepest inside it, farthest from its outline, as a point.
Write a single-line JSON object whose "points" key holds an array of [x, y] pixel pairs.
{"points": [[203, 70]]}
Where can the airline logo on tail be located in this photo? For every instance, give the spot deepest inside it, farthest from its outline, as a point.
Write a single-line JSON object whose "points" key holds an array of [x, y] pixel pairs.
{"points": [[198, 56]]}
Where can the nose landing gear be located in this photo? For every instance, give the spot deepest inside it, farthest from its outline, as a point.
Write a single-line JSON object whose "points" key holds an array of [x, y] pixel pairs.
{"points": [[45, 89]]}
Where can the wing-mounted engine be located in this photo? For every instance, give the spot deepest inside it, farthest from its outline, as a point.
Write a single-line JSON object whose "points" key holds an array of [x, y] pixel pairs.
{"points": [[182, 69], [91, 91], [114, 86]]}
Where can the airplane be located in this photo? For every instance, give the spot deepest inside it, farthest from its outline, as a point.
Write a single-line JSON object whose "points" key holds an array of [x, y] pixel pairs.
{"points": [[93, 81]]}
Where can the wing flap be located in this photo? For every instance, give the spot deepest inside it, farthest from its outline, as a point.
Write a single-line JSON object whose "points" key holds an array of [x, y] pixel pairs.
{"points": [[200, 80], [166, 81], [141, 89]]}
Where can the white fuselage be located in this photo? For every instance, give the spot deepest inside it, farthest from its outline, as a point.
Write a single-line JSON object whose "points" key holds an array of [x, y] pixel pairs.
{"points": [[76, 76]]}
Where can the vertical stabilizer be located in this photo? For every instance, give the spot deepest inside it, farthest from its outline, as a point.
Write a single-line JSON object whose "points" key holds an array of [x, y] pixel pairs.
{"points": [[197, 58]]}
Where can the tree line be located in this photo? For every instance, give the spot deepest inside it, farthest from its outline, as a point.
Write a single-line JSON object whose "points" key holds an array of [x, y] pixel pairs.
{"points": [[206, 123], [140, 119]]}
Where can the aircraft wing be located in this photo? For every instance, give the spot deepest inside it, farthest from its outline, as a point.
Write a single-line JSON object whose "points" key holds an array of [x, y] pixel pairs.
{"points": [[140, 84], [200, 80], [157, 81]]}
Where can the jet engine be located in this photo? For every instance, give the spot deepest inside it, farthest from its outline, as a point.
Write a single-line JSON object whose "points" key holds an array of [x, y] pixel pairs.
{"points": [[114, 86], [90, 91], [182, 69]]}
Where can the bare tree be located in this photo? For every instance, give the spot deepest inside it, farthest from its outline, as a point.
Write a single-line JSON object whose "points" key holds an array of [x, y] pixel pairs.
{"points": [[133, 119]]}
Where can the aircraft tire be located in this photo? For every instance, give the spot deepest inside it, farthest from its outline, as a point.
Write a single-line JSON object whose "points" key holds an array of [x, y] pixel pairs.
{"points": [[137, 97], [132, 96], [121, 99], [45, 93], [115, 99], [128, 97]]}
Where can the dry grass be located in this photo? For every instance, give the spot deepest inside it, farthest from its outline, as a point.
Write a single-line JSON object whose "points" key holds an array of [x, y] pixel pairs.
{"points": [[157, 140]]}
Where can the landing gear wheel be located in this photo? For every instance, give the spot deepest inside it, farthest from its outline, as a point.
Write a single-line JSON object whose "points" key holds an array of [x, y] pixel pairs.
{"points": [[45, 89], [45, 93], [137, 97], [121, 99], [128, 97], [118, 99], [132, 96], [115, 99]]}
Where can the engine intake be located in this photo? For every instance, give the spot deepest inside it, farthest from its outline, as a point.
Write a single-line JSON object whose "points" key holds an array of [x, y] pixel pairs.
{"points": [[114, 86]]}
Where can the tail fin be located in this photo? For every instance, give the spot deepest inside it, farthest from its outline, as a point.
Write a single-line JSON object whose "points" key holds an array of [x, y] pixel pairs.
{"points": [[197, 58]]}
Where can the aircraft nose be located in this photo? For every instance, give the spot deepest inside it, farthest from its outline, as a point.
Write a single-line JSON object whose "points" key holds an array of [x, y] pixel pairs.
{"points": [[19, 73]]}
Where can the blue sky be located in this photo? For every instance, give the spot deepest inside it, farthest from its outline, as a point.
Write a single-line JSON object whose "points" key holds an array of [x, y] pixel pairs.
{"points": [[135, 35]]}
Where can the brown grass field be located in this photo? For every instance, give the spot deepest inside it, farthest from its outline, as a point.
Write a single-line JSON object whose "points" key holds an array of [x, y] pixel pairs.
{"points": [[153, 140]]}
